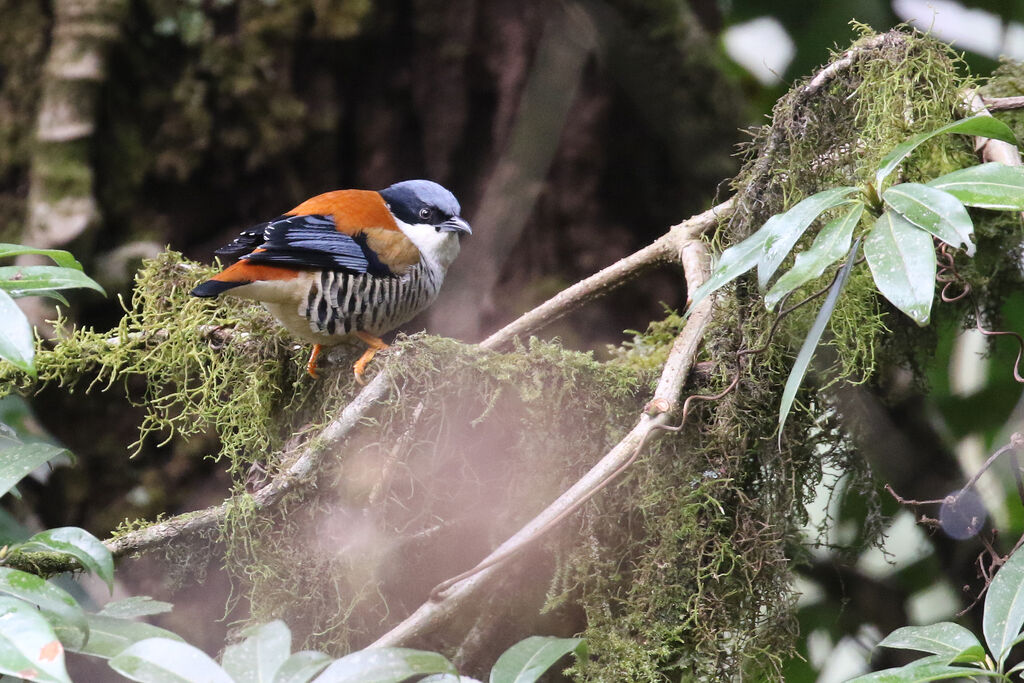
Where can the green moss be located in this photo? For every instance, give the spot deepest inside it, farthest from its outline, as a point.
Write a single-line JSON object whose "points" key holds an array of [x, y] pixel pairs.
{"points": [[192, 364]]}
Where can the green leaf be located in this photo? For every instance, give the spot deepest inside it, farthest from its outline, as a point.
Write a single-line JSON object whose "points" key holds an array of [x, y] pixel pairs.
{"points": [[981, 125], [1004, 608], [384, 665], [527, 660], [803, 358], [784, 229], [828, 247], [921, 670], [29, 280], [258, 657], [18, 460], [734, 261], [162, 660], [902, 261], [47, 293], [948, 639], [78, 543], [17, 345], [110, 636], [61, 610], [28, 646], [938, 212], [988, 186], [135, 606], [60, 257], [301, 667]]}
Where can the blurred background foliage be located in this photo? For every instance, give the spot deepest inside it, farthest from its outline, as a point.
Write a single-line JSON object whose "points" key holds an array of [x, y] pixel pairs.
{"points": [[573, 133]]}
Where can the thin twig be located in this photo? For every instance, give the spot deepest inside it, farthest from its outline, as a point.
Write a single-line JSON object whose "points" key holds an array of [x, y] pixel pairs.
{"points": [[1003, 103], [613, 276]]}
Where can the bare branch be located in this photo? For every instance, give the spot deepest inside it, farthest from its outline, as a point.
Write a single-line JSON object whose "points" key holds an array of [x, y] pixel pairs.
{"points": [[666, 248], [987, 148], [1003, 103]]}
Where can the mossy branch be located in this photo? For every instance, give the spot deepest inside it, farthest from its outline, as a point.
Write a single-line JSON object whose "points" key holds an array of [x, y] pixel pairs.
{"points": [[306, 460]]}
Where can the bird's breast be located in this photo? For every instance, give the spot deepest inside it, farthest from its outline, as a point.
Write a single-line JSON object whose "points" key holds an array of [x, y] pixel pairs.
{"points": [[337, 303]]}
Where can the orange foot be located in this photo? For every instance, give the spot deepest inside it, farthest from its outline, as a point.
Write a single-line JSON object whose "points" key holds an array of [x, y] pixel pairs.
{"points": [[311, 365], [375, 344]]}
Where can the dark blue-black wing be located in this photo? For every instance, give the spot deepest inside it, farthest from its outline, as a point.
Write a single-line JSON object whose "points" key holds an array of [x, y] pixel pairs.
{"points": [[246, 241], [311, 241]]}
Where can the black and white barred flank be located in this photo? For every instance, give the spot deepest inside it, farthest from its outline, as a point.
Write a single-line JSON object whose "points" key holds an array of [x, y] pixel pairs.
{"points": [[341, 302]]}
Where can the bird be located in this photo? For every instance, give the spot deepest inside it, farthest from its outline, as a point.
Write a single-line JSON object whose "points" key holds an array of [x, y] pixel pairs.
{"points": [[347, 263]]}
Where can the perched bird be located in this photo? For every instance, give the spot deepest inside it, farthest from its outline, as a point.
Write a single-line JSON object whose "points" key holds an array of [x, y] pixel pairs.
{"points": [[348, 263]]}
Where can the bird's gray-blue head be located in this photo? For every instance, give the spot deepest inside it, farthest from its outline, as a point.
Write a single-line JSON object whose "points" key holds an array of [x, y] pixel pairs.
{"points": [[423, 202]]}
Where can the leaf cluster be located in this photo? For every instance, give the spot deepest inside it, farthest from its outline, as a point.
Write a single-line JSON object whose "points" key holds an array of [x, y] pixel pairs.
{"points": [[17, 343], [897, 243], [955, 652]]}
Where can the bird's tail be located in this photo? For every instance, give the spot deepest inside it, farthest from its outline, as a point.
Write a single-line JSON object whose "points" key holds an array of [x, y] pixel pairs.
{"points": [[212, 288], [241, 273]]}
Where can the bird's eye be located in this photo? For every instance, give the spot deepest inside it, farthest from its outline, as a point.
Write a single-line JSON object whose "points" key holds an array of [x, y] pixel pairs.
{"points": [[425, 213]]}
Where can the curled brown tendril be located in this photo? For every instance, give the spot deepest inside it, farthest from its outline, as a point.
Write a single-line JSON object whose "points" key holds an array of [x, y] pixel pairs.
{"points": [[949, 276]]}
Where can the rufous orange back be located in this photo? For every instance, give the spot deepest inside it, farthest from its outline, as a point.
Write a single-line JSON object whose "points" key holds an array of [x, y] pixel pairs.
{"points": [[353, 210]]}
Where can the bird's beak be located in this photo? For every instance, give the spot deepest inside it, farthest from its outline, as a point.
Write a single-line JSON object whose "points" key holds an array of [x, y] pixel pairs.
{"points": [[456, 224]]}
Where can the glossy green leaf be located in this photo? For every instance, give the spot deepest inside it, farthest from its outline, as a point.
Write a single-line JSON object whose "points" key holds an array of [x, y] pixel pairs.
{"points": [[17, 344], [902, 261], [784, 229], [29, 648], [49, 294], [1004, 608], [30, 280], [384, 665], [829, 246], [935, 668], [260, 655], [60, 257], [78, 543], [135, 606], [301, 667], [60, 609], [18, 460], [803, 358], [527, 660], [981, 125], [733, 262], [938, 212], [162, 660], [988, 186], [948, 639], [110, 636]]}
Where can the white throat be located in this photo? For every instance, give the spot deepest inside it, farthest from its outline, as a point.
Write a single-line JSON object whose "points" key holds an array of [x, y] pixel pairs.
{"points": [[438, 248]]}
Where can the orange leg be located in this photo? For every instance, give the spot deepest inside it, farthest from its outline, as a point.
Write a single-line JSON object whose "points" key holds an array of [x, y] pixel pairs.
{"points": [[311, 365], [374, 345]]}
